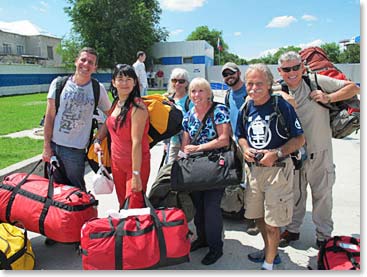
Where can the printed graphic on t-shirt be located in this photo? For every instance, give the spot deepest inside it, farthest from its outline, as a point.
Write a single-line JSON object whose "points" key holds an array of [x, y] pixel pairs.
{"points": [[77, 104], [259, 132]]}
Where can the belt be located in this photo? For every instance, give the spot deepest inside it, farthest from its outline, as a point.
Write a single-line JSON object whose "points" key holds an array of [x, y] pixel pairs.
{"points": [[277, 164]]}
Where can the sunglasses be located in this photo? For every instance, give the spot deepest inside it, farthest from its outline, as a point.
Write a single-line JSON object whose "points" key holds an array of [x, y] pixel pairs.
{"points": [[228, 73], [180, 81], [294, 68]]}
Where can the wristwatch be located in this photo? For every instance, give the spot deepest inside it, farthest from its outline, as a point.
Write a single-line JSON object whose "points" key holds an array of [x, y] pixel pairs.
{"points": [[136, 172], [279, 153]]}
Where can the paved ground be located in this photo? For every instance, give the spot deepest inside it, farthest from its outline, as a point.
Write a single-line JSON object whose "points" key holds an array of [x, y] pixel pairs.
{"points": [[237, 243]]}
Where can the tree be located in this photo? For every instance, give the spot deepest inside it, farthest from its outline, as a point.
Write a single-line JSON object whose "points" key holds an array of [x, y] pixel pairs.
{"points": [[351, 54], [211, 36], [332, 50], [116, 29]]}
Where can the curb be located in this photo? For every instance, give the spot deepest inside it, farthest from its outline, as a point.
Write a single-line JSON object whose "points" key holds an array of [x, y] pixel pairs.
{"points": [[23, 166]]}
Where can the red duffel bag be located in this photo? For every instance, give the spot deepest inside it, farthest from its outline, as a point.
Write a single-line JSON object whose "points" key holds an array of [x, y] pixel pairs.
{"points": [[54, 210], [144, 238]]}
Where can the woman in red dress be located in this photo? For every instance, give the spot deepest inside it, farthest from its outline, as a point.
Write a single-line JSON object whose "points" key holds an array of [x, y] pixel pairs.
{"points": [[128, 125]]}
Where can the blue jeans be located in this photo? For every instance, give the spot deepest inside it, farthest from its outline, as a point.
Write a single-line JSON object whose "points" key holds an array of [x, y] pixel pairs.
{"points": [[72, 163]]}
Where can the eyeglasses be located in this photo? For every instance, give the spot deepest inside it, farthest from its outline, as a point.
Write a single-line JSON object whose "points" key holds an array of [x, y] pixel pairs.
{"points": [[228, 73], [180, 81], [294, 68]]}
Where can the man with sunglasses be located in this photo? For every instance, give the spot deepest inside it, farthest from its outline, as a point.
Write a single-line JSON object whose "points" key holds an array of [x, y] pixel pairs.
{"points": [[234, 99], [318, 170]]}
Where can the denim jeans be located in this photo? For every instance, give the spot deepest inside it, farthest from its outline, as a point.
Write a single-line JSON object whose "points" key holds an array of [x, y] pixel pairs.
{"points": [[72, 163]]}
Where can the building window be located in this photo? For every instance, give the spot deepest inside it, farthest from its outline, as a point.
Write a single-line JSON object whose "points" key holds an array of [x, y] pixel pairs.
{"points": [[6, 48], [50, 53], [20, 49], [187, 60]]}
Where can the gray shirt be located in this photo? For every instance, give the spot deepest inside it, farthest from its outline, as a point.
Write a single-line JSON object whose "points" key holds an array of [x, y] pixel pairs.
{"points": [[73, 120], [314, 118]]}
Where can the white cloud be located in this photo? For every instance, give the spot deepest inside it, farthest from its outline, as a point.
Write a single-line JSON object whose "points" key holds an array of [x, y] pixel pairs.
{"points": [[308, 17], [182, 5], [316, 42], [176, 32], [237, 34], [281, 21]]}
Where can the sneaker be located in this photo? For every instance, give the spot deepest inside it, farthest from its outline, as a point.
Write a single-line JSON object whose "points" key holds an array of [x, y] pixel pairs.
{"points": [[286, 237], [320, 243], [259, 257], [197, 244], [252, 229], [212, 257]]}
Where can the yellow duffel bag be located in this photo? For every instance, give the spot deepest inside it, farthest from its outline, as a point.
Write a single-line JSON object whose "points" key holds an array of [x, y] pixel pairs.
{"points": [[15, 248]]}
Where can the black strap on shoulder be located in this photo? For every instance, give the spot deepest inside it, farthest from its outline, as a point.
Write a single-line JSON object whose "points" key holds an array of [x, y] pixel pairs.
{"points": [[60, 84], [203, 122], [187, 104], [226, 98], [280, 116], [96, 94]]}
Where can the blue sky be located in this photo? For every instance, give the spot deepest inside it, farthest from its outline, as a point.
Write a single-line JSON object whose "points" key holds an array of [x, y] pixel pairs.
{"points": [[250, 27]]}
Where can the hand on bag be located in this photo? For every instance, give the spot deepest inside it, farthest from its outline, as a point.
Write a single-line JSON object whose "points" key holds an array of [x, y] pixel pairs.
{"points": [[97, 147], [136, 185]]}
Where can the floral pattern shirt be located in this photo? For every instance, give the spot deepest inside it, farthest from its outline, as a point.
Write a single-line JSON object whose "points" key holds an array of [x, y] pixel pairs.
{"points": [[191, 124]]}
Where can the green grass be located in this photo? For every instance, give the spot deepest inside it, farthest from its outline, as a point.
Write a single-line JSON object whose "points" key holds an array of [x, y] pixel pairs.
{"points": [[14, 150], [21, 112]]}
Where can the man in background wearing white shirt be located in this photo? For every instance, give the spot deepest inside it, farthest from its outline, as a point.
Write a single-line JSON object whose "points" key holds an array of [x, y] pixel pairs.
{"points": [[139, 67]]}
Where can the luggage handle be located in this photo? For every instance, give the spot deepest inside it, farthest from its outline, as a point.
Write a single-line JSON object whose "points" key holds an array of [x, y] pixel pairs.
{"points": [[157, 224]]}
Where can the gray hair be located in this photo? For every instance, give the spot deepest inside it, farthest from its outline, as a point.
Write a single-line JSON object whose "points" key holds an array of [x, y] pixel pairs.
{"points": [[178, 73], [289, 56], [262, 68]]}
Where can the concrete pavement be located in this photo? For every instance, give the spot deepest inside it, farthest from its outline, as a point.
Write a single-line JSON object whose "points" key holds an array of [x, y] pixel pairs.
{"points": [[237, 243]]}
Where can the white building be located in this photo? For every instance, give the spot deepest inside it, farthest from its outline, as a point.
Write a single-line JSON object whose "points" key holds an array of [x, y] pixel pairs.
{"points": [[24, 42], [194, 56]]}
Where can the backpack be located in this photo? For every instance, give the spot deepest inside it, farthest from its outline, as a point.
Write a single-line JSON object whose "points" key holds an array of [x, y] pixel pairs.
{"points": [[339, 253], [15, 248], [232, 203], [300, 155], [165, 119], [344, 115], [161, 194], [317, 61]]}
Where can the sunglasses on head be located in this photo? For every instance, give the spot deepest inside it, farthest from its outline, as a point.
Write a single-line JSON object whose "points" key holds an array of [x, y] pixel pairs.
{"points": [[228, 73], [294, 68], [180, 81]]}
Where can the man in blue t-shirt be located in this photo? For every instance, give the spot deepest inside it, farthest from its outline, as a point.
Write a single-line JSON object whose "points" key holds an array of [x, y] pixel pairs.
{"points": [[237, 93], [267, 142], [234, 98]]}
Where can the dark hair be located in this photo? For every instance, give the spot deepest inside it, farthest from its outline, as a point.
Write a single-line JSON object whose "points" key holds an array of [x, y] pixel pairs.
{"points": [[89, 50], [128, 71], [140, 53]]}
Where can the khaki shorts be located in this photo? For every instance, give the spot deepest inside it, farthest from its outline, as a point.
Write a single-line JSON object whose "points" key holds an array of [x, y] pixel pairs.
{"points": [[269, 194]]}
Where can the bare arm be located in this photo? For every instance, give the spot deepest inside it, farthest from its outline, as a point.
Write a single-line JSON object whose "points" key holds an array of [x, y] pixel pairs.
{"points": [[346, 92], [138, 121], [48, 129]]}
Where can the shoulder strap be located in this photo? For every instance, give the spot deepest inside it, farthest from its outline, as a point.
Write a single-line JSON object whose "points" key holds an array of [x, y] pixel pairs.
{"points": [[187, 103], [60, 84], [280, 116], [96, 93], [226, 98], [244, 109], [203, 122]]}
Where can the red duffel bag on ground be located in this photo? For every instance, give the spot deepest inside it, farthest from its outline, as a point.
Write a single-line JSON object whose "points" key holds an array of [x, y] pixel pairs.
{"points": [[144, 238], [54, 210]]}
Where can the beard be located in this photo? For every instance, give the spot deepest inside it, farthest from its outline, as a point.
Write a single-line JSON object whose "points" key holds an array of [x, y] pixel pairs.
{"points": [[231, 83]]}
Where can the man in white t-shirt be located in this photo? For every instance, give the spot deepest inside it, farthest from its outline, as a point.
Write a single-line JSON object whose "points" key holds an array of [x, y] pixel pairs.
{"points": [[68, 126], [139, 67]]}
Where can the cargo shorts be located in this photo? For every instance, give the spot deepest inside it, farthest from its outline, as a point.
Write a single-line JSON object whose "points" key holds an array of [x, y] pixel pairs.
{"points": [[269, 193]]}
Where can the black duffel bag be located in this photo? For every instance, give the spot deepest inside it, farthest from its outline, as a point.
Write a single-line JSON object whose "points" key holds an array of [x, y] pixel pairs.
{"points": [[206, 170]]}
